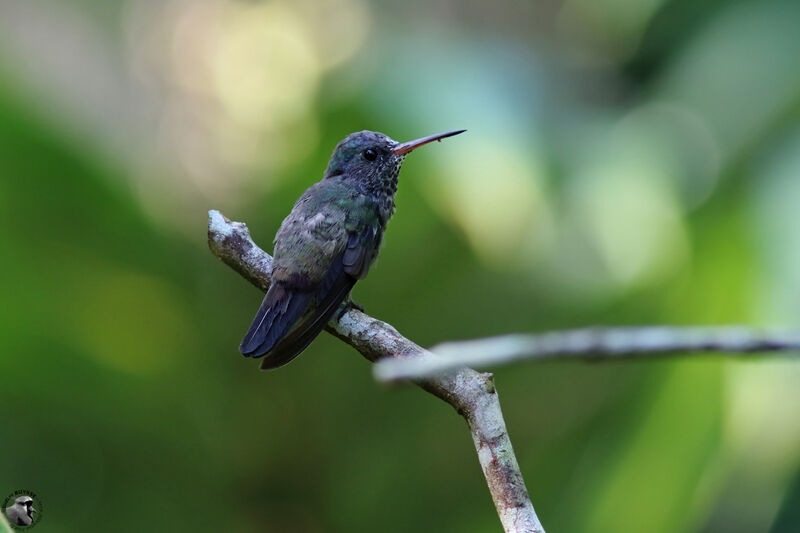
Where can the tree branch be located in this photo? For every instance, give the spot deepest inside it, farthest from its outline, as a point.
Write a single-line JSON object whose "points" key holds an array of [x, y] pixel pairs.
{"points": [[591, 345], [471, 393]]}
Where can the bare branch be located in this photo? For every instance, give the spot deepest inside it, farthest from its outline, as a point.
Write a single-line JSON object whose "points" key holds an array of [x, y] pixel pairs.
{"points": [[471, 393], [591, 345]]}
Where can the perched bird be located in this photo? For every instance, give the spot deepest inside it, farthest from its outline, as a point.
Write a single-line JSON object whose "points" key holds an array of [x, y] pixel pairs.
{"points": [[327, 243], [21, 513]]}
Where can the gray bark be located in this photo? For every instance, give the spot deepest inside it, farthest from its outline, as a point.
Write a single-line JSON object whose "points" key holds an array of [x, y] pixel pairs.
{"points": [[471, 393], [592, 344]]}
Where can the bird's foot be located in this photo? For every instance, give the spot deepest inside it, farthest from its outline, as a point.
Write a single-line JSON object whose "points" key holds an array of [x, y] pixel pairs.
{"points": [[347, 305]]}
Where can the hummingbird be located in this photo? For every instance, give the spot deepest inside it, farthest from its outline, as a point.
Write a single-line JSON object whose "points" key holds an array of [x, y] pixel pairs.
{"points": [[328, 242]]}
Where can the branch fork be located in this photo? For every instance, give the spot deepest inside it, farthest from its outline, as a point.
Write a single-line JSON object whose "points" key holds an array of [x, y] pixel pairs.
{"points": [[471, 393]]}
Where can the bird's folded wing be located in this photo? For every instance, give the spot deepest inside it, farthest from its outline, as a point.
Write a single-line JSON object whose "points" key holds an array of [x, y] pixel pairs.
{"points": [[350, 266]]}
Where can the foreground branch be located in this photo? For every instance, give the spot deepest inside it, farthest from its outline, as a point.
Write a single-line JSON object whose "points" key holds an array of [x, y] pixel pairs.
{"points": [[471, 393], [591, 345]]}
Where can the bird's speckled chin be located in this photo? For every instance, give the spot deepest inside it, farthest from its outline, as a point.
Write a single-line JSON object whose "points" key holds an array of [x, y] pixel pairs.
{"points": [[390, 186]]}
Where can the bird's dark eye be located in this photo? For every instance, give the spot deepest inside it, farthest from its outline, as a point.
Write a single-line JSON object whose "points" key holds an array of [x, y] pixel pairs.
{"points": [[370, 154]]}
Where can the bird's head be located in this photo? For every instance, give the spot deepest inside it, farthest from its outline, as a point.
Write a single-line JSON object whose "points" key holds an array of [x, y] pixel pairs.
{"points": [[374, 158]]}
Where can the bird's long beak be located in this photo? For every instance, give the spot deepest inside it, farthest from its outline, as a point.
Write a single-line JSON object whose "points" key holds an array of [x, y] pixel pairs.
{"points": [[404, 148], [33, 510]]}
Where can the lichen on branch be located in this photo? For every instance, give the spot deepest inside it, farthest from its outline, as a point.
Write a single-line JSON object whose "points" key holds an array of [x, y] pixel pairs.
{"points": [[471, 393]]}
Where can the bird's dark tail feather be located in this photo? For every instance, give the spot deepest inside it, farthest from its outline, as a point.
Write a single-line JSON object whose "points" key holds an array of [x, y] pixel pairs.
{"points": [[279, 311], [311, 326]]}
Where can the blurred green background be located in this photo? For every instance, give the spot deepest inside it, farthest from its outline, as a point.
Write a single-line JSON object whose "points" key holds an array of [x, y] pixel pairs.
{"points": [[627, 162]]}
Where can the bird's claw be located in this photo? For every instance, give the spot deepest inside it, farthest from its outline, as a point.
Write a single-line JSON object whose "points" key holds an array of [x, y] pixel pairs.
{"points": [[346, 306]]}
